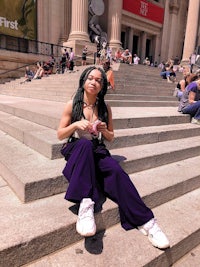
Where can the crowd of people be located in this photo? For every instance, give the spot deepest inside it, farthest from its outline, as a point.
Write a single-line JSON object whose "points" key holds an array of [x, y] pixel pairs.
{"points": [[39, 70], [46, 68], [66, 62], [188, 93], [187, 89]]}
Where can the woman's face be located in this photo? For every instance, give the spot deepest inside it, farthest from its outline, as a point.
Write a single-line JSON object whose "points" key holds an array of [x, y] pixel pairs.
{"points": [[93, 83]]}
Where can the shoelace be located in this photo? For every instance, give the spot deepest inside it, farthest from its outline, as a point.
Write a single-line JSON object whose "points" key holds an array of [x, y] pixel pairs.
{"points": [[86, 212], [155, 229], [150, 224]]}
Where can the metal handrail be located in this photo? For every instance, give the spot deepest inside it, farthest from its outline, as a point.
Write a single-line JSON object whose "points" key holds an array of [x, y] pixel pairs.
{"points": [[22, 67], [30, 46]]}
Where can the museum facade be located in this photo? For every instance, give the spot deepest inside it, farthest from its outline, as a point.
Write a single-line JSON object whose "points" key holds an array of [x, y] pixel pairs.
{"points": [[159, 29]]}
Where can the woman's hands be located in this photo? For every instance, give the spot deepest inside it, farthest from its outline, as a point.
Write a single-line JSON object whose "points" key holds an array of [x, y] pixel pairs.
{"points": [[83, 125], [93, 128], [66, 128], [101, 127]]}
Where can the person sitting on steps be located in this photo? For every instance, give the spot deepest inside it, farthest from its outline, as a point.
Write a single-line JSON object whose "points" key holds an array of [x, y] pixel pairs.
{"points": [[28, 75], [91, 170], [110, 76], [190, 101], [40, 71], [127, 57]]}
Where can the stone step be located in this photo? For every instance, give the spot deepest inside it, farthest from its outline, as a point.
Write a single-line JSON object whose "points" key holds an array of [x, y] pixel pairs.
{"points": [[129, 103], [40, 138], [53, 221], [48, 113], [33, 176], [56, 79], [44, 140], [192, 258], [70, 86], [50, 86], [27, 172], [146, 91], [125, 101], [113, 96], [73, 77], [105, 248], [142, 157]]}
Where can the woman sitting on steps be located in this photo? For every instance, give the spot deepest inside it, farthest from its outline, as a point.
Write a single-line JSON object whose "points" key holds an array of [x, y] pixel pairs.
{"points": [[91, 170]]}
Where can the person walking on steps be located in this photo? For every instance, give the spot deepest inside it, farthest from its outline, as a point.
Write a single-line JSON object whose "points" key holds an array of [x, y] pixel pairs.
{"points": [[91, 170]]}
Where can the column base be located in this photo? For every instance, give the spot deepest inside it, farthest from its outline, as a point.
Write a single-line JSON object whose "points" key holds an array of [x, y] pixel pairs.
{"points": [[81, 36], [115, 44], [185, 62]]}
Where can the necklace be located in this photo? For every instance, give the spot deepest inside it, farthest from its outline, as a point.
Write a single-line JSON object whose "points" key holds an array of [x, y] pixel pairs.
{"points": [[89, 106], [91, 110]]}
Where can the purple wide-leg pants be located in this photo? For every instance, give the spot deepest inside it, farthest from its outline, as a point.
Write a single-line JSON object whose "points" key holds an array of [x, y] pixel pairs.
{"points": [[91, 170]]}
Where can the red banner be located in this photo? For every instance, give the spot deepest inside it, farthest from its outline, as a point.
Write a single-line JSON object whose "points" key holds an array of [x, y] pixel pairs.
{"points": [[144, 9]]}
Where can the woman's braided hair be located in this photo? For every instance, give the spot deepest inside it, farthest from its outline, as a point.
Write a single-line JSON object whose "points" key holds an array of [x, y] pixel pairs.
{"points": [[77, 109]]}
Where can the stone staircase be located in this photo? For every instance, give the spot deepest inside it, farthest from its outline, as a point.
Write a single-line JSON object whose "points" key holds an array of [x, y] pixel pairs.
{"points": [[156, 145]]}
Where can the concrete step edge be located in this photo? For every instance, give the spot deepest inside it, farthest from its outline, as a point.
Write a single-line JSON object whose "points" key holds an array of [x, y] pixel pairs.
{"points": [[49, 113], [44, 140], [186, 233], [34, 176]]}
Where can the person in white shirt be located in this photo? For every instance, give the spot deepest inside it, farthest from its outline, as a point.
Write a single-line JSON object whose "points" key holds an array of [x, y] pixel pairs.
{"points": [[136, 59], [127, 57]]}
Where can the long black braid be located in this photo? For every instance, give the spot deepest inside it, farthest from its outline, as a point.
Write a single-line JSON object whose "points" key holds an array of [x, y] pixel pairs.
{"points": [[77, 109]]}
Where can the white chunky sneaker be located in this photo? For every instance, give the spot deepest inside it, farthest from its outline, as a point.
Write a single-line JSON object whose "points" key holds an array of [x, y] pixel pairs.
{"points": [[195, 121], [85, 225], [155, 234]]}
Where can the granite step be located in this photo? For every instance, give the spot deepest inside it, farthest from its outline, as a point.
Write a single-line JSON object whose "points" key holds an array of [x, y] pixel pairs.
{"points": [[125, 101], [105, 249], [44, 139], [33, 176], [48, 113], [62, 88], [192, 258], [53, 231]]}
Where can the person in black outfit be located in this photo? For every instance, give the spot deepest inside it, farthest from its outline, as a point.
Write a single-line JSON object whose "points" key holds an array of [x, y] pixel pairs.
{"points": [[63, 62]]}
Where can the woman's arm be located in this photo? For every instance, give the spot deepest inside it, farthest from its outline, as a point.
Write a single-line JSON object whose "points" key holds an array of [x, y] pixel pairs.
{"points": [[110, 78], [191, 97], [182, 85], [66, 128]]}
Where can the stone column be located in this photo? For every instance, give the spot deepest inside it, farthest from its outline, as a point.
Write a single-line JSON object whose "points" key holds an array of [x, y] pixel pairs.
{"points": [[173, 9], [130, 40], [191, 29], [66, 21], [42, 20], [114, 23], [156, 42], [79, 22], [143, 46]]}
